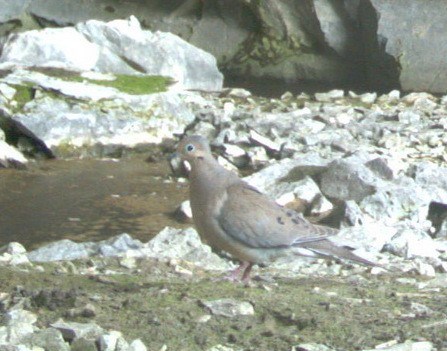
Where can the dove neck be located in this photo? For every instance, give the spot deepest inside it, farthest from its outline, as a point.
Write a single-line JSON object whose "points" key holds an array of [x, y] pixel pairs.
{"points": [[207, 172]]}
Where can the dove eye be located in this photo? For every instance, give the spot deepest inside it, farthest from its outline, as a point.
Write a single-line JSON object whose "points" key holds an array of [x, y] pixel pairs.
{"points": [[189, 147]]}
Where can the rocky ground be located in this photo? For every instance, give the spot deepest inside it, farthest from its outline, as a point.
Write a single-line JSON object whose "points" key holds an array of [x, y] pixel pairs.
{"points": [[174, 304]]}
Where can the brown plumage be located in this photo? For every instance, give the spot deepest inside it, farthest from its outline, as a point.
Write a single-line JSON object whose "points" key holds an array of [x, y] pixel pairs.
{"points": [[231, 215]]}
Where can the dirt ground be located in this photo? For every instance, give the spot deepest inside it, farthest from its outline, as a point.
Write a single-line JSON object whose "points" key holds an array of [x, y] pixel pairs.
{"points": [[161, 307]]}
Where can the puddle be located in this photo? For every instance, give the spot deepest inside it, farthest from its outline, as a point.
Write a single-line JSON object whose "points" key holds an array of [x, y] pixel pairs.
{"points": [[87, 200]]}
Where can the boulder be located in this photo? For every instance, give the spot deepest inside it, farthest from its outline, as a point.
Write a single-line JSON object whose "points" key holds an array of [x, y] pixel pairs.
{"points": [[405, 46], [119, 46]]}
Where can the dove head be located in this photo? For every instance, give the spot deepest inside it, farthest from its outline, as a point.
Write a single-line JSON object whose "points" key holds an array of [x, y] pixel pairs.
{"points": [[193, 147]]}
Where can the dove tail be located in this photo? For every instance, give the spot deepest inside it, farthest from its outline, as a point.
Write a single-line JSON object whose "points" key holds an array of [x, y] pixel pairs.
{"points": [[327, 249]]}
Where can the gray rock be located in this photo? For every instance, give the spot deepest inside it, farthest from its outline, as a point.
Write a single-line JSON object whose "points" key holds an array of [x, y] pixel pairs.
{"points": [[74, 330], [287, 170], [83, 123], [61, 250], [348, 180], [312, 347], [82, 344], [19, 325], [137, 345], [182, 244], [108, 342], [229, 308], [9, 155], [410, 243], [118, 245], [329, 96], [409, 346], [12, 11], [49, 339], [128, 47], [395, 53]]}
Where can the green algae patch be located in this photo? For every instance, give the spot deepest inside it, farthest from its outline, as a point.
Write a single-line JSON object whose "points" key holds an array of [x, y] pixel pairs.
{"points": [[24, 94], [126, 83], [136, 85]]}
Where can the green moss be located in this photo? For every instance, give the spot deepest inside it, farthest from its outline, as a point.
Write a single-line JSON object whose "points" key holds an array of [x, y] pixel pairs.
{"points": [[130, 84], [136, 85], [24, 94]]}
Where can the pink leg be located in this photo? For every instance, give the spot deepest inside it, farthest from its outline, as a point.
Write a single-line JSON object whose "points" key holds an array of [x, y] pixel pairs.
{"points": [[233, 276], [246, 274]]}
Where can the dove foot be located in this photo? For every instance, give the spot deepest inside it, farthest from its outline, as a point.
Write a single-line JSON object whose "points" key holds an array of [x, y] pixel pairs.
{"points": [[234, 275]]}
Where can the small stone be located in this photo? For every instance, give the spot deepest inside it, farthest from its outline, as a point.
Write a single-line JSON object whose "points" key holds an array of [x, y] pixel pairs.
{"points": [[229, 308], [329, 96], [128, 262], [183, 213], [74, 330], [368, 98], [239, 92], [137, 345], [425, 269], [264, 141], [203, 319], [107, 342], [82, 344]]}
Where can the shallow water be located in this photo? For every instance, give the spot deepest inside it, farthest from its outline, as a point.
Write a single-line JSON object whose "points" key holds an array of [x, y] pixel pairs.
{"points": [[87, 200]]}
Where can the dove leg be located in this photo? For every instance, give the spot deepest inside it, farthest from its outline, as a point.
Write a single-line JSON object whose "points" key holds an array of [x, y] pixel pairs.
{"points": [[234, 274], [246, 274]]}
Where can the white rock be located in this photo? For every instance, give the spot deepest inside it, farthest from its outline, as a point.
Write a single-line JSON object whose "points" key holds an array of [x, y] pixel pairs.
{"points": [[182, 244], [408, 346], [329, 96], [109, 47], [229, 308], [137, 345], [410, 243], [10, 156], [107, 342], [321, 205], [263, 141]]}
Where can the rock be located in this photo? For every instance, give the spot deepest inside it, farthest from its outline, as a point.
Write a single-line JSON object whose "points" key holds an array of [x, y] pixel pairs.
{"points": [[348, 180], [229, 308], [395, 54], [420, 310], [74, 330], [137, 345], [118, 245], [82, 344], [13, 254], [184, 213], [222, 348], [395, 202], [287, 170], [48, 339], [182, 244], [410, 243], [61, 250], [329, 96], [236, 155], [10, 157], [409, 346], [425, 269], [107, 342], [264, 141], [83, 124], [312, 347], [19, 325], [127, 49], [371, 236]]}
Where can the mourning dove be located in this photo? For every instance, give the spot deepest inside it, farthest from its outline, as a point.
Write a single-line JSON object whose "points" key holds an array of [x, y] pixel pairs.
{"points": [[232, 216]]}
